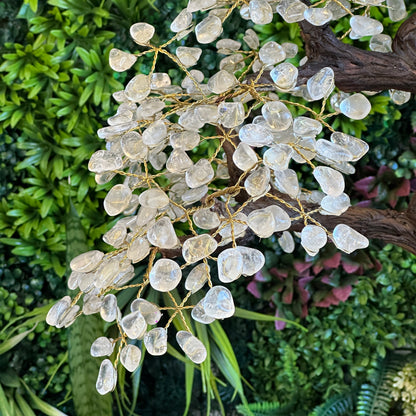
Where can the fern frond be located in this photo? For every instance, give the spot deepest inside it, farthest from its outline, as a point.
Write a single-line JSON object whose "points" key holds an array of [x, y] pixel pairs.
{"points": [[265, 409], [339, 405]]}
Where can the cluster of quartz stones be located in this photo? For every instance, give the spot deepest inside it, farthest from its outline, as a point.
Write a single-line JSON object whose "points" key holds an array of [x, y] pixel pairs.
{"points": [[149, 142]]}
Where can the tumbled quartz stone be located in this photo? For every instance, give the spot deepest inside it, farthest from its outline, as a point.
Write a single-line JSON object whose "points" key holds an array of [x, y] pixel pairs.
{"points": [[291, 49], [117, 199], [197, 277], [251, 39], [138, 249], [165, 275], [178, 162], [278, 157], [313, 238], [134, 325], [58, 310], [396, 9], [145, 216], [232, 63], [285, 76], [381, 43], [333, 151], [206, 219], [291, 10], [286, 181], [92, 302], [199, 174], [287, 243], [86, 282], [133, 146], [221, 82], [261, 222], [231, 114], [69, 317], [138, 88], [277, 115], [207, 114], [188, 56], [189, 120], [155, 133], [130, 357], [347, 239], [219, 303], [227, 45], [399, 97], [142, 33], [318, 16], [191, 346], [281, 218], [272, 53], [162, 234], [244, 157], [110, 131], [121, 61], [157, 159], [149, 310], [198, 248], [365, 26], [230, 265], [107, 377], [197, 5], [238, 227], [154, 198], [321, 84], [104, 160], [194, 195], [357, 147], [208, 29], [73, 280], [355, 106], [86, 262], [335, 205], [198, 313], [185, 140], [253, 260], [102, 347], [108, 310], [337, 10], [182, 21], [255, 135], [156, 341], [261, 12], [305, 126], [158, 81], [330, 180], [257, 183]]}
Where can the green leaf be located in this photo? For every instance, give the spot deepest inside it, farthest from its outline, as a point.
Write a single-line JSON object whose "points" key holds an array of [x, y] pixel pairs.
{"points": [[84, 55], [5, 409], [12, 342], [189, 382]]}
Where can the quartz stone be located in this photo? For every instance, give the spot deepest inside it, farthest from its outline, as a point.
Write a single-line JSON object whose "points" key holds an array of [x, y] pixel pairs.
{"points": [[286, 181], [285, 76], [227, 46], [134, 325], [291, 49], [86, 282], [272, 53], [208, 29], [281, 218], [199, 174], [86, 262], [165, 275], [277, 115], [102, 347], [278, 157], [92, 303], [257, 183], [138, 249], [232, 63], [381, 43], [130, 357], [347, 239], [365, 26], [291, 10], [196, 76], [251, 39], [121, 61], [253, 260], [107, 377], [357, 147], [333, 151], [142, 33], [355, 106], [219, 303], [178, 162], [305, 150], [231, 114], [158, 81], [108, 310], [73, 280], [286, 242], [330, 180], [138, 88], [230, 265], [145, 216], [197, 277], [189, 120], [110, 131], [103, 178], [313, 238], [185, 140], [207, 114], [188, 56], [321, 84], [396, 9], [305, 126], [238, 227], [69, 317], [133, 146], [154, 198], [103, 160], [221, 81], [261, 12], [149, 311], [318, 16], [206, 219], [244, 157], [335, 205], [157, 159], [106, 273], [399, 97], [191, 346], [336, 9], [58, 310], [162, 234], [182, 21], [198, 248], [198, 313], [156, 341], [255, 135], [194, 195], [155, 133], [197, 5], [124, 277], [262, 222]]}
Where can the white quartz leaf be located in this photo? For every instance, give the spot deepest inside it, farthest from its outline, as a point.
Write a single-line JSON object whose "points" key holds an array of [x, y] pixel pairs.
{"points": [[134, 325], [138, 249], [285, 76], [357, 147], [154, 198], [86, 262], [156, 341], [230, 265], [257, 183], [188, 56], [208, 29], [231, 114], [149, 311], [121, 61], [199, 174], [286, 242], [197, 277], [191, 346], [261, 12], [335, 205], [138, 88], [281, 218], [330, 180], [365, 26], [287, 182], [244, 157], [206, 219], [102, 347], [313, 238], [107, 377], [355, 106], [291, 10], [198, 248], [333, 151], [182, 21], [261, 221], [117, 199], [108, 310], [278, 156], [165, 275], [253, 260], [318, 16], [255, 135], [130, 357], [221, 82], [58, 310], [198, 313], [219, 303], [142, 33], [272, 53], [347, 239], [162, 234], [321, 84], [277, 115]]}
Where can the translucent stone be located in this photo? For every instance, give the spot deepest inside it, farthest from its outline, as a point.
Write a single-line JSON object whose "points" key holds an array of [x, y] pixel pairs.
{"points": [[197, 277], [278, 157], [355, 106], [124, 277], [335, 205], [257, 183], [198, 313], [103, 178], [305, 126], [207, 114], [262, 223], [228, 45], [281, 218], [130, 357], [106, 273], [133, 147], [286, 242], [396, 9], [108, 310], [191, 346], [318, 16], [158, 81], [277, 115], [337, 10], [333, 151], [255, 135], [321, 84], [102, 347], [73, 280], [155, 133], [251, 39], [291, 10], [347, 239], [86, 282], [221, 82], [138, 88], [156, 341], [330, 180], [197, 5], [107, 377], [381, 43], [261, 12], [219, 303], [69, 317], [165, 275], [199, 174], [188, 56], [206, 219], [178, 162], [186, 140], [208, 29], [198, 248], [134, 325], [58, 310], [231, 114], [162, 234], [195, 76], [285, 76], [103, 160], [313, 238], [253, 260], [399, 97], [272, 53], [145, 216], [110, 131], [142, 33], [357, 147], [121, 61], [149, 311], [194, 195], [117, 199], [86, 262], [189, 120], [154, 198], [365, 26], [286, 181], [238, 227], [157, 159], [92, 302], [138, 249], [291, 49], [182, 21], [232, 63], [244, 157], [230, 265]]}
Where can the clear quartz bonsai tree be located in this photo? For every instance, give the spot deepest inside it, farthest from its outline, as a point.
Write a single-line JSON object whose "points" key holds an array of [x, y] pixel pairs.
{"points": [[248, 187]]}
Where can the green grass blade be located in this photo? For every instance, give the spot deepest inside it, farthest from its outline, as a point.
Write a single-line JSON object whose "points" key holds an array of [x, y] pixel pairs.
{"points": [[24, 405], [12, 342], [189, 383], [5, 408]]}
